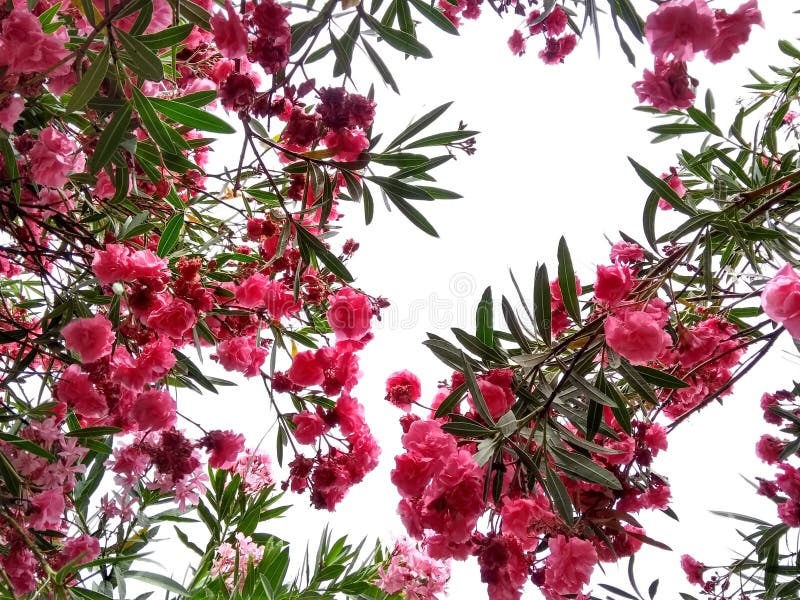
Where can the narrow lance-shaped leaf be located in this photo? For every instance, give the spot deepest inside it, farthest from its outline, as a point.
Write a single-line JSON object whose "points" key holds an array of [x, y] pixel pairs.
{"points": [[514, 326], [190, 116], [418, 125], [566, 282], [110, 138], [475, 391], [140, 58], [89, 82], [412, 214], [542, 309], [170, 235], [326, 256], [484, 318], [661, 187]]}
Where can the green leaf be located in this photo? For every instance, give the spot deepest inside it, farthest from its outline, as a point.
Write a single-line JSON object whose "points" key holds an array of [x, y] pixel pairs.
{"points": [[514, 326], [369, 205], [10, 166], [704, 121], [788, 49], [343, 48], [412, 214], [637, 381], [620, 409], [594, 393], [453, 398], [585, 469], [435, 16], [419, 125], [398, 39], [661, 187], [649, 219], [566, 282], [151, 121], [542, 309], [172, 36], [170, 235], [111, 138], [334, 265], [558, 494], [380, 66], [85, 594], [27, 445], [484, 318], [443, 139], [140, 58], [475, 391], [465, 427], [660, 378], [90, 82], [158, 580], [190, 116], [400, 188], [93, 432]]}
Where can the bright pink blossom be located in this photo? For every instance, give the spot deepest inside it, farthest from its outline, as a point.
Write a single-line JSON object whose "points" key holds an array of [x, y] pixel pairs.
{"points": [[309, 426], [346, 144], [556, 49], [733, 30], [279, 300], [76, 389], [626, 253], [350, 314], [305, 370], [174, 318], [679, 28], [613, 284], [81, 549], [92, 338], [781, 299], [413, 572], [53, 157], [47, 509], [154, 409], [224, 448], [10, 112], [569, 565], [516, 43], [25, 48], [693, 569], [403, 388], [241, 354], [666, 87], [252, 291], [636, 335], [229, 33]]}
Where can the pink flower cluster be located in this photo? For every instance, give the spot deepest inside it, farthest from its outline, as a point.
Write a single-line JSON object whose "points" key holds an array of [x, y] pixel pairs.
{"points": [[676, 31], [552, 25], [781, 299], [413, 573]]}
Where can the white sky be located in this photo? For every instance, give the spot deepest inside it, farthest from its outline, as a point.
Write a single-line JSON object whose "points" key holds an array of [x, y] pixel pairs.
{"points": [[551, 161]]}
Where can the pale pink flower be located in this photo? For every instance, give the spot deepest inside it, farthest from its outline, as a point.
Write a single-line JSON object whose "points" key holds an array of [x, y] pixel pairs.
{"points": [[413, 572], [636, 335], [25, 48], [48, 508]]}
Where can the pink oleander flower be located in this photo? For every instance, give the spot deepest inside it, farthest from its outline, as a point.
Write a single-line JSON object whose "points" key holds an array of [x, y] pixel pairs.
{"points": [[305, 370], [47, 509], [25, 48], [81, 549], [232, 560], [626, 253], [11, 110], [224, 448], [613, 284], [570, 564], [413, 573], [309, 426], [556, 49], [403, 388], [154, 409], [251, 293], [733, 30], [668, 86], [674, 182], [53, 157], [279, 300], [636, 335], [241, 354], [255, 469], [92, 338], [781, 299], [769, 448], [346, 144], [504, 566], [693, 569], [173, 318], [76, 389], [678, 29], [350, 314], [516, 43], [229, 33]]}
